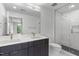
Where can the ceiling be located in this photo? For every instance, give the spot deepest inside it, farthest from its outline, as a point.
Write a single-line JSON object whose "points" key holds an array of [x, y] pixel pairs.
{"points": [[64, 7], [20, 8], [68, 8], [60, 7]]}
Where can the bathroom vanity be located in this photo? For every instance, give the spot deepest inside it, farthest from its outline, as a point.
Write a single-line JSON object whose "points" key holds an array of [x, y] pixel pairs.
{"points": [[25, 47]]}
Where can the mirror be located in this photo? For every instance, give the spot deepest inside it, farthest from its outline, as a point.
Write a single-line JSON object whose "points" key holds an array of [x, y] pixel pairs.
{"points": [[20, 20], [15, 25]]}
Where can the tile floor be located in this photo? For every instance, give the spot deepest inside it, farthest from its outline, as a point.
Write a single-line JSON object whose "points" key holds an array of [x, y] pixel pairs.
{"points": [[62, 53]]}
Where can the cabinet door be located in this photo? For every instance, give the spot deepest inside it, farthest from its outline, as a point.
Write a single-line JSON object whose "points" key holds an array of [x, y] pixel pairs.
{"points": [[34, 51], [31, 51], [34, 48], [19, 53], [42, 47], [39, 48], [45, 47]]}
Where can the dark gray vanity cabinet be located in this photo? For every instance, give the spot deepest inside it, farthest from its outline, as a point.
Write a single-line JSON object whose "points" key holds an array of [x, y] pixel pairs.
{"points": [[19, 53], [39, 48], [14, 50], [22, 50], [32, 48]]}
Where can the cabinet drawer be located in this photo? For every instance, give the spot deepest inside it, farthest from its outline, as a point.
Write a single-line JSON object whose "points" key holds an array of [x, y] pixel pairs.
{"points": [[10, 48]]}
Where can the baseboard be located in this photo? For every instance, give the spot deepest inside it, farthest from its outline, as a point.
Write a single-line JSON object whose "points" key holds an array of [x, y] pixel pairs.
{"points": [[71, 50]]}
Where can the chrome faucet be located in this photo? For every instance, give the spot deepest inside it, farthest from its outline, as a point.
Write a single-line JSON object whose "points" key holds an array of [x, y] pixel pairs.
{"points": [[33, 34], [11, 36]]}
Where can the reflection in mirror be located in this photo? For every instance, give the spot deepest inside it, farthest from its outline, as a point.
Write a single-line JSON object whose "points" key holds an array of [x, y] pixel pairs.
{"points": [[15, 25]]}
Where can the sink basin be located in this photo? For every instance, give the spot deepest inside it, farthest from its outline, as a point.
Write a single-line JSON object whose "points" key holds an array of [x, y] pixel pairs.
{"points": [[36, 37]]}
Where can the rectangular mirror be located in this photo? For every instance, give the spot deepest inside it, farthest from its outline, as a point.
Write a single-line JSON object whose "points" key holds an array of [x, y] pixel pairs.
{"points": [[15, 25], [19, 20]]}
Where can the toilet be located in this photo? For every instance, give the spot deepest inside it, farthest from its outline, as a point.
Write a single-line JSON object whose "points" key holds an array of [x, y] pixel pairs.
{"points": [[55, 48]]}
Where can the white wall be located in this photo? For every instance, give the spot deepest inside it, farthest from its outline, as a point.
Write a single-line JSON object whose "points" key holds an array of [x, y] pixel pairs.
{"points": [[74, 20], [30, 23], [64, 23], [2, 19], [47, 23], [62, 30]]}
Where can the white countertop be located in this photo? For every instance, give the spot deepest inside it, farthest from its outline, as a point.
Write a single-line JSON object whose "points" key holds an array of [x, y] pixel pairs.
{"points": [[5, 40]]}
